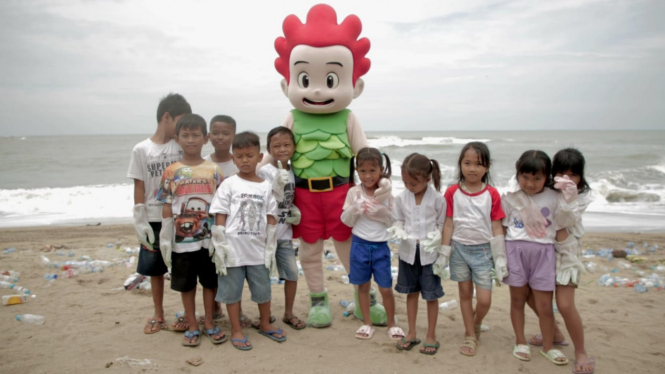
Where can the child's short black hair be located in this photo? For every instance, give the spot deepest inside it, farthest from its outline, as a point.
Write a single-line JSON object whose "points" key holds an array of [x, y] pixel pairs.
{"points": [[573, 160], [191, 122], [280, 130], [483, 155], [535, 162], [224, 118], [246, 139], [174, 105]]}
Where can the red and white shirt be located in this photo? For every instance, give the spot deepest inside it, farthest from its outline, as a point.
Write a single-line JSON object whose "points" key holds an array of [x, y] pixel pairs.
{"points": [[473, 213]]}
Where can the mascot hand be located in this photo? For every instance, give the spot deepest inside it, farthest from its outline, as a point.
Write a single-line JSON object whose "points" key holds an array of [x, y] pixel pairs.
{"points": [[294, 216]]}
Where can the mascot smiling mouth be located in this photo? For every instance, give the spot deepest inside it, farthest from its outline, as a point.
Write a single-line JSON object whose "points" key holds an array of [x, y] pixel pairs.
{"points": [[310, 102]]}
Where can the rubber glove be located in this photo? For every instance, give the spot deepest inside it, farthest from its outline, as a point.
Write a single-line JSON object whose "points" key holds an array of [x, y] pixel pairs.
{"points": [[397, 231], [166, 240], [567, 187], [498, 248], [353, 211], [221, 250], [294, 216], [534, 222], [439, 266], [271, 250], [143, 230], [384, 191], [378, 212], [281, 179], [432, 243], [570, 266]]}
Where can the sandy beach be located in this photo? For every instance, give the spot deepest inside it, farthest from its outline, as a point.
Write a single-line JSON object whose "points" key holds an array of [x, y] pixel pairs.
{"points": [[93, 326]]}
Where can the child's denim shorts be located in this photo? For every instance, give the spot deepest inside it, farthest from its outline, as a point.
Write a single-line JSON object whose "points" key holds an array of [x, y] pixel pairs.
{"points": [[286, 261], [229, 290], [471, 262]]}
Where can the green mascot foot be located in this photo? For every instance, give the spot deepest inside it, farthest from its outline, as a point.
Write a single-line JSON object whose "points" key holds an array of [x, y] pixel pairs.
{"points": [[377, 313], [319, 313]]}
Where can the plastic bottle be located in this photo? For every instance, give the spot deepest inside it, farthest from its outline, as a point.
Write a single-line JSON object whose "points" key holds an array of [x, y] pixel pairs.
{"points": [[133, 281], [330, 256], [11, 273], [50, 276], [345, 279], [21, 290], [640, 288], [182, 314], [4, 284], [448, 305], [70, 273], [8, 278], [350, 308], [344, 303], [8, 250], [145, 285], [590, 266], [16, 299], [31, 318], [45, 261]]}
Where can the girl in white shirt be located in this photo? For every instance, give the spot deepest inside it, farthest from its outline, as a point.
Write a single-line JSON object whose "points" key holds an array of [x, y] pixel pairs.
{"points": [[474, 233], [369, 214], [570, 163], [418, 218], [532, 235]]}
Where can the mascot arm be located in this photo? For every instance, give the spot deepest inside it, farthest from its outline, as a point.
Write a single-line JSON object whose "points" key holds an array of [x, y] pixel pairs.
{"points": [[357, 138], [267, 158]]}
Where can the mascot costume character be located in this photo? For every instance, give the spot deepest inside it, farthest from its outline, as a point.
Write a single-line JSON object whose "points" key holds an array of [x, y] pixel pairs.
{"points": [[322, 63]]}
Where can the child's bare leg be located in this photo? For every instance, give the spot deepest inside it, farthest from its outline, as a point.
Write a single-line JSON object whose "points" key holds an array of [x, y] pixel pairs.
{"points": [[188, 302], [411, 314], [545, 317], [483, 304], [565, 300], [209, 306], [432, 316], [389, 303], [466, 306], [518, 297], [157, 285], [236, 330], [363, 300], [558, 335], [264, 315]]}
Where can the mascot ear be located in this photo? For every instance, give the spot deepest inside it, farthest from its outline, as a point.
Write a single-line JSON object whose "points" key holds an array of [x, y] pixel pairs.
{"points": [[285, 87], [358, 89]]}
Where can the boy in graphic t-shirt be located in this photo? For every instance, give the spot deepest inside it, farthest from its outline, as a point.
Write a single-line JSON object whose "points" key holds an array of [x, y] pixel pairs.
{"points": [[149, 160]]}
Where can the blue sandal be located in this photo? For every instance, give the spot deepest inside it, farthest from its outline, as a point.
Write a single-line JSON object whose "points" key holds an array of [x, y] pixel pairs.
{"points": [[243, 341], [191, 335], [270, 333], [210, 333]]}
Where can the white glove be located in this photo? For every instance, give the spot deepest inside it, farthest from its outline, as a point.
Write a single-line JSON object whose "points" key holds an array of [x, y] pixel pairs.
{"points": [[384, 191], [143, 230], [439, 266], [498, 248], [567, 187], [378, 211], [397, 231], [534, 222], [294, 215], [271, 250], [570, 267], [222, 254], [166, 240], [432, 243], [281, 179]]}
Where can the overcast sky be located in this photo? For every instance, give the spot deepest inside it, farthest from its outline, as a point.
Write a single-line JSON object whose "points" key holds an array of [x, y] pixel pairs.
{"points": [[100, 67]]}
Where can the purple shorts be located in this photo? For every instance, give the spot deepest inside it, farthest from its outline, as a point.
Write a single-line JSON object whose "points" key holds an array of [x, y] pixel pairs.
{"points": [[531, 263]]}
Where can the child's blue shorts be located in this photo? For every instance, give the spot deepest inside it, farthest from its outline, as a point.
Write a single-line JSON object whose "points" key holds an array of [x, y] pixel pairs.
{"points": [[369, 258]]}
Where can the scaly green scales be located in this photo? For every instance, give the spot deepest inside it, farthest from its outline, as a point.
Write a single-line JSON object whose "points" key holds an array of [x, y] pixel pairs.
{"points": [[322, 144]]}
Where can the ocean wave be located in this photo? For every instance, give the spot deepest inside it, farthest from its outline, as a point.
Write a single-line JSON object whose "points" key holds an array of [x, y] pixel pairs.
{"points": [[395, 141]]}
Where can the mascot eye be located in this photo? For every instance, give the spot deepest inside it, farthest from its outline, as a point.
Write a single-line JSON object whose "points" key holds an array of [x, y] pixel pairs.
{"points": [[332, 80], [303, 80]]}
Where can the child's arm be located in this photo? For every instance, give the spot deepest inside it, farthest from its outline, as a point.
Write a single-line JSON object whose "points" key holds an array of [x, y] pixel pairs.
{"points": [[447, 231], [353, 207], [220, 219]]}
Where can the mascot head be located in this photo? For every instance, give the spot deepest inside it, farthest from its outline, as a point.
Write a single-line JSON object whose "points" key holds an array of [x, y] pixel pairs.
{"points": [[322, 61]]}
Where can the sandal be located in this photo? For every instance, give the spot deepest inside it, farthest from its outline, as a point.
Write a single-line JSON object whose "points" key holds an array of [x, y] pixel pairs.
{"points": [[191, 335], [522, 348], [365, 332], [471, 343], [245, 321], [412, 343], [396, 333], [215, 317], [211, 333], [590, 362], [152, 323], [257, 324], [424, 351], [555, 356], [537, 341], [298, 325]]}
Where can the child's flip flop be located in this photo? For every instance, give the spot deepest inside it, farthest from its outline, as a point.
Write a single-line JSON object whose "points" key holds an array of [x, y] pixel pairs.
{"points": [[427, 345], [191, 335], [210, 333], [537, 341], [411, 343], [243, 341], [270, 335], [522, 348]]}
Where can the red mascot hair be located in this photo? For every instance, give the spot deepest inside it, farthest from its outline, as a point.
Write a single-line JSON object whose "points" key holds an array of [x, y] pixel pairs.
{"points": [[322, 30]]}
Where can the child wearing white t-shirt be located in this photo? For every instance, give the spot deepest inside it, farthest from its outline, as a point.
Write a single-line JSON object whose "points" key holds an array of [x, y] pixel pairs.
{"points": [[473, 235], [222, 132], [244, 239], [368, 213]]}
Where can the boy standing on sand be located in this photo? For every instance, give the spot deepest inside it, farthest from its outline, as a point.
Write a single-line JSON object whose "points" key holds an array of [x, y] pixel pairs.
{"points": [[222, 132], [148, 161], [187, 188]]}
